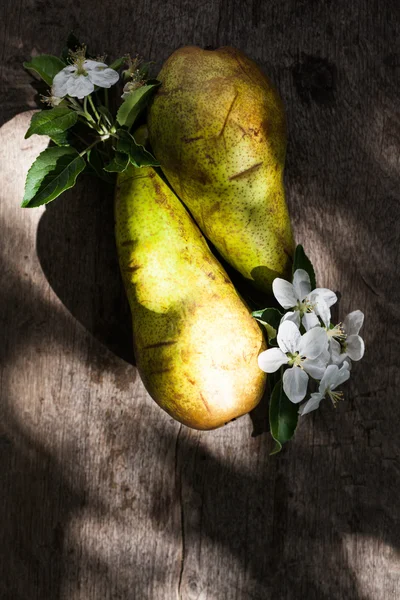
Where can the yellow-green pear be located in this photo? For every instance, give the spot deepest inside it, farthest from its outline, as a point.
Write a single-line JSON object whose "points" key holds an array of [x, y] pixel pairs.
{"points": [[196, 344], [217, 126]]}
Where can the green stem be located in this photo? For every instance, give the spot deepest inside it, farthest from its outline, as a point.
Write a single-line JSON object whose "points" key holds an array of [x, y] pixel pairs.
{"points": [[92, 124], [87, 113], [106, 97], [89, 147], [75, 103], [96, 114]]}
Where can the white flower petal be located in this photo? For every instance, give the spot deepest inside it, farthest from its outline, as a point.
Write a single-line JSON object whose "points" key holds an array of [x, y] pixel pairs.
{"points": [[103, 78], [312, 404], [328, 379], [59, 86], [301, 283], [284, 292], [271, 360], [347, 362], [288, 337], [313, 342], [292, 316], [335, 351], [327, 295], [322, 309], [310, 320], [89, 65], [342, 376], [316, 367], [295, 382], [79, 86], [355, 347], [353, 322]]}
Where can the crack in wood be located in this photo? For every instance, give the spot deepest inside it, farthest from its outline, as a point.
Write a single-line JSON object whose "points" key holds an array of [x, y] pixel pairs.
{"points": [[178, 483]]}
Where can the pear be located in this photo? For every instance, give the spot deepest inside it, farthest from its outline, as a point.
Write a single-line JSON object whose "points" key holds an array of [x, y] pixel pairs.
{"points": [[217, 127], [196, 344]]}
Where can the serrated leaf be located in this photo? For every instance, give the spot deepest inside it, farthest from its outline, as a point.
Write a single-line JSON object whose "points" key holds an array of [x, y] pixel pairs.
{"points": [[52, 122], [46, 66], [138, 155], [283, 417], [135, 103], [270, 318], [54, 171], [301, 261], [118, 164]]}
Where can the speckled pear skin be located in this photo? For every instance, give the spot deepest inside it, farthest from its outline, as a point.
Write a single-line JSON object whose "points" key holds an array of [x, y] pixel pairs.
{"points": [[217, 126], [196, 344]]}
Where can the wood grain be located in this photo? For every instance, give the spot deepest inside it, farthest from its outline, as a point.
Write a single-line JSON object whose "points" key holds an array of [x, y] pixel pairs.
{"points": [[101, 494]]}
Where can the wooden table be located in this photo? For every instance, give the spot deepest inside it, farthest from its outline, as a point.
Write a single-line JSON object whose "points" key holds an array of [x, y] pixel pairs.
{"points": [[102, 495]]}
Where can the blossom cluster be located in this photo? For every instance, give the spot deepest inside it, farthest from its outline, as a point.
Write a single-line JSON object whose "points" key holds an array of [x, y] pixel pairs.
{"points": [[82, 76], [90, 129], [309, 345]]}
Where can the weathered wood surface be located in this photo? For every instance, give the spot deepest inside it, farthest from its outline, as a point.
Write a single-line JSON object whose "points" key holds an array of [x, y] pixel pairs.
{"points": [[101, 494]]}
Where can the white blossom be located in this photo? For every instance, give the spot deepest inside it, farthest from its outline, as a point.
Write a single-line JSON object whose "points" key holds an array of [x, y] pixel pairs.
{"points": [[304, 305], [354, 345], [305, 355], [78, 80], [333, 377], [52, 99], [344, 342]]}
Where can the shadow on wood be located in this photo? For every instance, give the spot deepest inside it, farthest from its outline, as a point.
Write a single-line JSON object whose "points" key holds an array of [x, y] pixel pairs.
{"points": [[76, 249], [284, 538]]}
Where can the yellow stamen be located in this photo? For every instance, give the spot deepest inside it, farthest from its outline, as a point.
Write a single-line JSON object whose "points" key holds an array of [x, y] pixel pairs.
{"points": [[78, 57], [335, 396]]}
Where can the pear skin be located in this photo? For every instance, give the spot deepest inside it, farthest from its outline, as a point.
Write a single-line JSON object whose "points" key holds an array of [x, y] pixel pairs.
{"points": [[196, 344], [217, 126]]}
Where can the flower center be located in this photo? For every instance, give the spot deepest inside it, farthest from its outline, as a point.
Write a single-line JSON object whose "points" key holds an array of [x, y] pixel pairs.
{"points": [[133, 70], [295, 359], [304, 307], [334, 396], [337, 332], [78, 59]]}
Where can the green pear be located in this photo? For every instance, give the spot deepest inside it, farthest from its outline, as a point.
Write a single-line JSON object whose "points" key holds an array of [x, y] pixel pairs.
{"points": [[196, 344], [217, 127]]}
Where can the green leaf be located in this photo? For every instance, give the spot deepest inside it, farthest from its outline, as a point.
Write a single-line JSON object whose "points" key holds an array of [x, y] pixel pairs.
{"points": [[133, 105], [60, 139], [144, 69], [54, 171], [270, 318], [96, 165], [283, 417], [118, 164], [138, 155], [117, 64], [52, 122], [46, 66], [301, 261]]}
